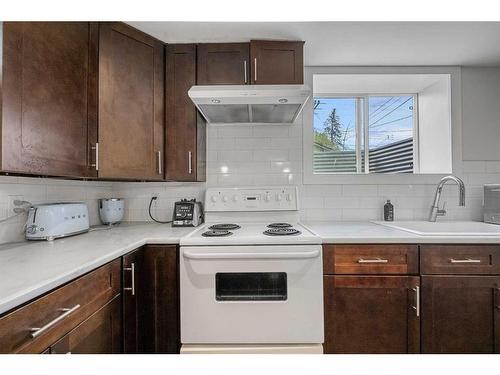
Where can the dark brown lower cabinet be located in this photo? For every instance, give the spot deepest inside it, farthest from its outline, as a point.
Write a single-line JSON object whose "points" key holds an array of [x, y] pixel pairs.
{"points": [[160, 278], [132, 301], [461, 314], [151, 300], [99, 334], [371, 314]]}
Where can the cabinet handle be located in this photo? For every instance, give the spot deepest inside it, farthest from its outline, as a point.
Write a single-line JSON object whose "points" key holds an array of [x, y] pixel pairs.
{"points": [[468, 260], [159, 162], [245, 70], [377, 260], [132, 270], [35, 332], [190, 162], [417, 301], [255, 69], [96, 148]]}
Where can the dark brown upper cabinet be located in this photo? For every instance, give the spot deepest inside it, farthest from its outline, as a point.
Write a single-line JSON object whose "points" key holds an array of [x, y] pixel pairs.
{"points": [[277, 62], [185, 128], [223, 64], [131, 104], [48, 76]]}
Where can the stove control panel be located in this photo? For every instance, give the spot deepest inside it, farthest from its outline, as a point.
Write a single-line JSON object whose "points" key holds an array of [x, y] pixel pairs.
{"points": [[252, 199]]}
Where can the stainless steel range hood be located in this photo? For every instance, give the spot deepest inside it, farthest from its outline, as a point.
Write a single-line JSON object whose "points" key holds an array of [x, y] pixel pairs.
{"points": [[246, 104]]}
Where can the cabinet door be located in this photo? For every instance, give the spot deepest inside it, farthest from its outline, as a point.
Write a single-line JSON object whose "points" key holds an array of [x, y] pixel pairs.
{"points": [[131, 105], [277, 62], [160, 306], [460, 314], [99, 334], [371, 314], [132, 302], [223, 64], [48, 70], [185, 131]]}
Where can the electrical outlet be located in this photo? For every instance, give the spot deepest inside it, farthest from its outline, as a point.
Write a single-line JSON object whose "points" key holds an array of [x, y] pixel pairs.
{"points": [[155, 201], [11, 206]]}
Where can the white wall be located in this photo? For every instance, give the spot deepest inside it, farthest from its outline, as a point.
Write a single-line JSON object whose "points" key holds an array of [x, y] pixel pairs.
{"points": [[434, 128], [261, 155], [481, 113], [40, 190]]}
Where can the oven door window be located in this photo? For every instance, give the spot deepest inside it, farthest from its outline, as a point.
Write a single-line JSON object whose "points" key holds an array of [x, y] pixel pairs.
{"points": [[251, 286]]}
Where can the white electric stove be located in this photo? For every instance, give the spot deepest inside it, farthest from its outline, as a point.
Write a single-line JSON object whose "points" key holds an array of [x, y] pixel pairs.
{"points": [[251, 276]]}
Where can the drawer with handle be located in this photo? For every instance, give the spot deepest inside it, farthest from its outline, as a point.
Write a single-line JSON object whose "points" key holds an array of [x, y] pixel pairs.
{"points": [[35, 326], [460, 259], [370, 259]]}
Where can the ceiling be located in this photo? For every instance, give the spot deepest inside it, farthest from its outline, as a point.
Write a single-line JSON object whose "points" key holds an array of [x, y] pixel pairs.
{"points": [[354, 43]]}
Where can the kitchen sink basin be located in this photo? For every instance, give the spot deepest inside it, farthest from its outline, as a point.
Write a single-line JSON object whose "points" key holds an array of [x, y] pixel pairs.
{"points": [[445, 228]]}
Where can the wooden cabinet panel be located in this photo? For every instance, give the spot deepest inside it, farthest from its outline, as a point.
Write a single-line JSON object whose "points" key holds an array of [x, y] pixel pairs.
{"points": [[460, 259], [185, 159], [277, 62], [371, 314], [90, 292], [131, 104], [370, 259], [460, 314], [223, 64], [48, 75], [160, 306], [99, 334], [132, 303]]}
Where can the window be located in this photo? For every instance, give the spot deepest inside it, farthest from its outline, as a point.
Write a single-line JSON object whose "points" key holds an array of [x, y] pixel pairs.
{"points": [[381, 127]]}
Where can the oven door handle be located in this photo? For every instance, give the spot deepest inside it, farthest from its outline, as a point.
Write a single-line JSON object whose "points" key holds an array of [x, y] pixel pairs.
{"points": [[294, 255]]}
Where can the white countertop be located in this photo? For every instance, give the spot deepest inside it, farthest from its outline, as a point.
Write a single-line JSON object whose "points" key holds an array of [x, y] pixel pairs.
{"points": [[29, 269], [368, 232]]}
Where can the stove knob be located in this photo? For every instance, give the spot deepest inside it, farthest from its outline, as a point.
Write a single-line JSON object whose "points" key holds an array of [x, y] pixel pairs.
{"points": [[213, 198], [267, 198], [235, 198], [279, 197], [224, 199]]}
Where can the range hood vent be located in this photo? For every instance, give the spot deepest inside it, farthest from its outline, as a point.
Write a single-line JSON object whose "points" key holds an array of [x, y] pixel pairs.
{"points": [[245, 104]]}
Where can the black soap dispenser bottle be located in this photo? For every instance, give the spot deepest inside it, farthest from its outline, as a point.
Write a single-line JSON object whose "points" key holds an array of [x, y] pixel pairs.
{"points": [[388, 211]]}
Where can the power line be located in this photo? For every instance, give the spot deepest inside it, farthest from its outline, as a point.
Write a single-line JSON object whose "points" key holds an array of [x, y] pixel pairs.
{"points": [[390, 122], [382, 105], [407, 100]]}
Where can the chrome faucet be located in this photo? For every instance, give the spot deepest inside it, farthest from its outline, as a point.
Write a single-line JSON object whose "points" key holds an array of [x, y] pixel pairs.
{"points": [[435, 210]]}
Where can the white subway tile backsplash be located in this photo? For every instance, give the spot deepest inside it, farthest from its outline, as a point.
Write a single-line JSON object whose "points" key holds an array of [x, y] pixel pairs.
{"points": [[276, 158], [360, 190]]}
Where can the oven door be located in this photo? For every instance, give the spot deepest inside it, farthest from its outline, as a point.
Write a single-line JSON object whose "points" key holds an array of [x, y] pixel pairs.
{"points": [[251, 294]]}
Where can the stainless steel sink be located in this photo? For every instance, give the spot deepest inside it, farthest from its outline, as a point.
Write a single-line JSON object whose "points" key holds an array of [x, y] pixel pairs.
{"points": [[445, 228]]}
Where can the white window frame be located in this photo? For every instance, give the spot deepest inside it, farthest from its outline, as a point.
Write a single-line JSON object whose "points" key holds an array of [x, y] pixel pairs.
{"points": [[362, 127], [381, 178]]}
